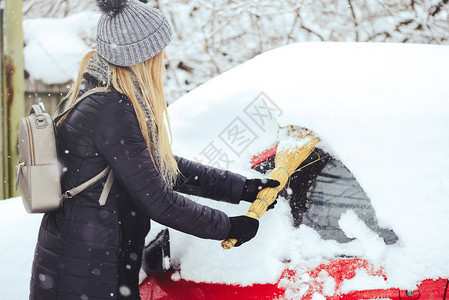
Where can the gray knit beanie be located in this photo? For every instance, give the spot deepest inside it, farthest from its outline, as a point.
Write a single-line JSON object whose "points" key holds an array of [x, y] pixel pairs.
{"points": [[130, 32]]}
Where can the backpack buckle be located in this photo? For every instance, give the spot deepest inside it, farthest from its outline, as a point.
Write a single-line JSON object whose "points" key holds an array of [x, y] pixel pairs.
{"points": [[18, 171], [40, 117], [67, 195]]}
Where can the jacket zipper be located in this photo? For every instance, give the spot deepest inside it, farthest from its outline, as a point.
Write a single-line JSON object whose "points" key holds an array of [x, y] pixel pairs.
{"points": [[30, 136]]}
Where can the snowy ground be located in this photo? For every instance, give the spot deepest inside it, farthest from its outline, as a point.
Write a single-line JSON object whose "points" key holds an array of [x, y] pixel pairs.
{"points": [[17, 241], [382, 109]]}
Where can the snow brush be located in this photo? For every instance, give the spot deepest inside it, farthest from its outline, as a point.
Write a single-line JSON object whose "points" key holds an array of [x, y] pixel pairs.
{"points": [[295, 145]]}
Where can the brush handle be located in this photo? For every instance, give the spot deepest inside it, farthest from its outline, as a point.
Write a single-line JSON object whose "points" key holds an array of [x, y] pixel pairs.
{"points": [[264, 199], [256, 211], [229, 243]]}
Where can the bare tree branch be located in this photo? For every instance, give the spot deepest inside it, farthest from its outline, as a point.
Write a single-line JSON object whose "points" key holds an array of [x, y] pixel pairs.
{"points": [[354, 18], [437, 8]]}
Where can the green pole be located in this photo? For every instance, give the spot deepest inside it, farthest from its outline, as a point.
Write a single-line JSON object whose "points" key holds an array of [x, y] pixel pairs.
{"points": [[3, 169], [13, 89]]}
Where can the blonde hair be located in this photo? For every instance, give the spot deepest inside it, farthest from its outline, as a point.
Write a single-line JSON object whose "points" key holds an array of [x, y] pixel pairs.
{"points": [[147, 79]]}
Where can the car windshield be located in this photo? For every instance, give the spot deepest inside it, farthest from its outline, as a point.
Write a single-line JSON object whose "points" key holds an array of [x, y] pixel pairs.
{"points": [[321, 191]]}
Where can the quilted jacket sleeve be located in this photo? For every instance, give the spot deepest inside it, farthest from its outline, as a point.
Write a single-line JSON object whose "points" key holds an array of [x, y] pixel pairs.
{"points": [[118, 137], [209, 182]]}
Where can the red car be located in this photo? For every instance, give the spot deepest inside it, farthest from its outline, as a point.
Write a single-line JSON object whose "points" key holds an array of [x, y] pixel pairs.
{"points": [[377, 187]]}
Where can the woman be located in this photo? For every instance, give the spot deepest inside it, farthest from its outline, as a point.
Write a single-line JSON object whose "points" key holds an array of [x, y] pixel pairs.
{"points": [[87, 250]]}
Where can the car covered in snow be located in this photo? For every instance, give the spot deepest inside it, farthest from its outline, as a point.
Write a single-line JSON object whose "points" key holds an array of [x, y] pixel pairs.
{"points": [[364, 216]]}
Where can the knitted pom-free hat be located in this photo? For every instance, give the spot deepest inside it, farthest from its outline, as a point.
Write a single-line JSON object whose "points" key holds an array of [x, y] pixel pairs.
{"points": [[130, 32]]}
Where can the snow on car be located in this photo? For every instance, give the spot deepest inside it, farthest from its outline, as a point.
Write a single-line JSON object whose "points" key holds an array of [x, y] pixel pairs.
{"points": [[370, 218]]}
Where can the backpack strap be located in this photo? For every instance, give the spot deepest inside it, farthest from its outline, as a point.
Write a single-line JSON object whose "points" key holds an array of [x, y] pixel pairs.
{"points": [[60, 111], [104, 193], [106, 188]]}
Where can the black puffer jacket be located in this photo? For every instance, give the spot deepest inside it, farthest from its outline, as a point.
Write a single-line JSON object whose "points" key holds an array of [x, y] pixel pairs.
{"points": [[88, 251]]}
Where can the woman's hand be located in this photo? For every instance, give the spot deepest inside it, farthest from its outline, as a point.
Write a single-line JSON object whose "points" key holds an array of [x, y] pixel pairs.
{"points": [[253, 186], [243, 229]]}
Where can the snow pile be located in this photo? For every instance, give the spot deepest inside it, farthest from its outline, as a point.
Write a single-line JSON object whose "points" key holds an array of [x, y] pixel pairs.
{"points": [[291, 139], [54, 47], [364, 281], [382, 109], [373, 245], [205, 260]]}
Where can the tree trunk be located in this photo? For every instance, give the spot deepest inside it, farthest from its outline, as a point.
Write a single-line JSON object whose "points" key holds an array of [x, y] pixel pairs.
{"points": [[13, 98]]}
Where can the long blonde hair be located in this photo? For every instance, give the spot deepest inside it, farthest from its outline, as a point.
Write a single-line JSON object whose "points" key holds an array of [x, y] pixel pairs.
{"points": [[147, 79]]}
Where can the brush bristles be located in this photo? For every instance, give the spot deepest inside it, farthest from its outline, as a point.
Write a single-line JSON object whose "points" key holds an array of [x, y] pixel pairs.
{"points": [[285, 164]]}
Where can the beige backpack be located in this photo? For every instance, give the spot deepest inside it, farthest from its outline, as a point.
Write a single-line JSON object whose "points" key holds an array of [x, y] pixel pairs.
{"points": [[38, 172]]}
